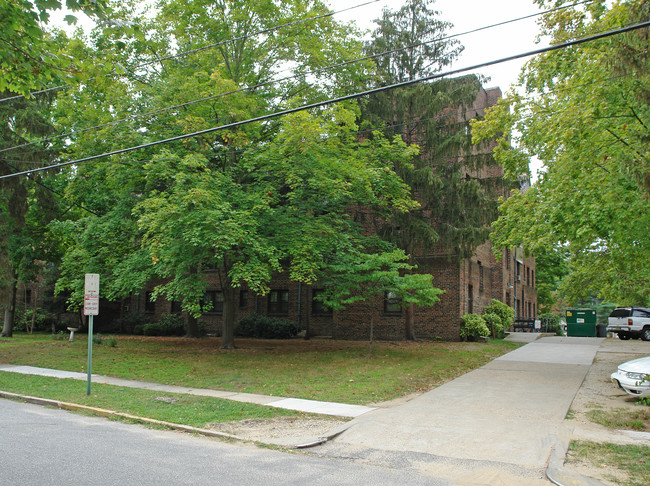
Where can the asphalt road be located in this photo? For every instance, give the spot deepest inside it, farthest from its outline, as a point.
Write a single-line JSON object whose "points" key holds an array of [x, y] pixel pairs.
{"points": [[43, 446]]}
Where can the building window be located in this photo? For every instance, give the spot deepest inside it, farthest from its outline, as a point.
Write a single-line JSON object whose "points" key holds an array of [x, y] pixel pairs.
{"points": [[392, 303], [149, 305], [507, 298], [279, 302], [532, 278], [470, 299], [317, 306], [243, 299], [213, 301], [507, 258], [177, 307], [480, 277], [528, 275]]}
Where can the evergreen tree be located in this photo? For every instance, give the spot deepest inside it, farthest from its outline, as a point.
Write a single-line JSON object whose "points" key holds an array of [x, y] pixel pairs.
{"points": [[26, 205], [457, 202]]}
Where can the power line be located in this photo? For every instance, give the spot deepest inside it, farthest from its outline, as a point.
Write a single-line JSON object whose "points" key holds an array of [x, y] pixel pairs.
{"points": [[331, 101], [260, 85], [48, 188], [433, 118], [210, 46]]}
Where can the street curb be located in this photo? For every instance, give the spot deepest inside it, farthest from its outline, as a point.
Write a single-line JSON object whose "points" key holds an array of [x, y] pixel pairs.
{"points": [[110, 413], [556, 473]]}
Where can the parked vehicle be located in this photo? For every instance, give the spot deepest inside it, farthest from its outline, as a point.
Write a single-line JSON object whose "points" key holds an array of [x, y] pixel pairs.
{"points": [[630, 322], [634, 377]]}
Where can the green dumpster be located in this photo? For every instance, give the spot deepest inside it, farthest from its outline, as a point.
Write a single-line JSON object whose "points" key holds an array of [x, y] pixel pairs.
{"points": [[581, 322]]}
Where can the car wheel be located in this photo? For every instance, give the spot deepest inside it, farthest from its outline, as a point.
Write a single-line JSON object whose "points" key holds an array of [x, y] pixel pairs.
{"points": [[645, 334], [623, 336]]}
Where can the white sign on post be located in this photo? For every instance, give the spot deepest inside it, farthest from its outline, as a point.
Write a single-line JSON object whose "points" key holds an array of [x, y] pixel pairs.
{"points": [[91, 308], [91, 305], [91, 295]]}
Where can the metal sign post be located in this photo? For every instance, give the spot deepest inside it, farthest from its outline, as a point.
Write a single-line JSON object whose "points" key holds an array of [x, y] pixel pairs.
{"points": [[91, 308]]}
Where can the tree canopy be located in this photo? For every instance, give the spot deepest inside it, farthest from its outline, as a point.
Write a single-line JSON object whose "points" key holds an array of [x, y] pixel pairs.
{"points": [[584, 113], [31, 56], [246, 202]]}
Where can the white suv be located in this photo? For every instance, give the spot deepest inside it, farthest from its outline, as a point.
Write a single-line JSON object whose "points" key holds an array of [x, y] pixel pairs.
{"points": [[630, 322]]}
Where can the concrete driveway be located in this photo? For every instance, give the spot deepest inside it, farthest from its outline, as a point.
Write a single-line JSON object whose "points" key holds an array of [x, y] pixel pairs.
{"points": [[496, 425]]}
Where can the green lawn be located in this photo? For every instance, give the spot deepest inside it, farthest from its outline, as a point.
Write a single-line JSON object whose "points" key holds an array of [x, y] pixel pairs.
{"points": [[326, 370]]}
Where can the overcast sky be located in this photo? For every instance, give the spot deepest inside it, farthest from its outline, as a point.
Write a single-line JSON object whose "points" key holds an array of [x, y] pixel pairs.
{"points": [[467, 15]]}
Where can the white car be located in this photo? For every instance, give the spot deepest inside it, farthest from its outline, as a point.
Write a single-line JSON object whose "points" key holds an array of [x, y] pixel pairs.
{"points": [[634, 377]]}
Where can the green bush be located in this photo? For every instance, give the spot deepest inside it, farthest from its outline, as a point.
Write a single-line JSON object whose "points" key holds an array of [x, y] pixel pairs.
{"points": [[262, 327], [167, 325], [494, 325], [505, 313], [472, 327], [101, 340], [43, 321], [131, 323]]}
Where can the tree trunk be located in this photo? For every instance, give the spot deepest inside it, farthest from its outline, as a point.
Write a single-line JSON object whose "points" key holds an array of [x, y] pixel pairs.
{"points": [[10, 312], [409, 323], [34, 299], [192, 327], [228, 325], [372, 331]]}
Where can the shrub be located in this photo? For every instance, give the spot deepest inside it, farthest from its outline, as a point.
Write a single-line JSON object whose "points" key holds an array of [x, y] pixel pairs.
{"points": [[133, 322], [473, 326], [167, 325], [505, 313], [43, 321], [262, 327], [60, 336], [494, 325]]}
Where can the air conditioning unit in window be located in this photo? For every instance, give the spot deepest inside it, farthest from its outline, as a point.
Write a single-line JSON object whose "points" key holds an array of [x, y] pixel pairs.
{"points": [[518, 278]]}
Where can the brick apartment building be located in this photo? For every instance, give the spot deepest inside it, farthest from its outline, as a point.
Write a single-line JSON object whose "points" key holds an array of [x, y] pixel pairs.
{"points": [[469, 286]]}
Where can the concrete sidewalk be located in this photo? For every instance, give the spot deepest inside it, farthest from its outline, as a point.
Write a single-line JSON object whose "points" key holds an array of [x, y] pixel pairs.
{"points": [[499, 424], [309, 406]]}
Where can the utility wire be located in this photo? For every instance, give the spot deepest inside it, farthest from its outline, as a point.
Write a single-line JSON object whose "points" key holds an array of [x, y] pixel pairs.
{"points": [[44, 186], [411, 122], [210, 46], [266, 83], [418, 121], [331, 101]]}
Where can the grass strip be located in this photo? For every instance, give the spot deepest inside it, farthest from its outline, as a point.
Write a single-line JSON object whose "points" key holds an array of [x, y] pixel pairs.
{"points": [[637, 419], [632, 460], [167, 407]]}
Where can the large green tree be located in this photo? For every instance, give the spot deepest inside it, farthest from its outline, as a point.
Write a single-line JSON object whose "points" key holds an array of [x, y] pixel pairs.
{"points": [[26, 204], [456, 204], [584, 113], [247, 200], [287, 207]]}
